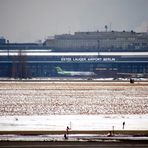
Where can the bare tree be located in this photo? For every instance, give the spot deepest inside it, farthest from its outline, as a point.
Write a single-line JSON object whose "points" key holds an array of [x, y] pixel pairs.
{"points": [[19, 66]]}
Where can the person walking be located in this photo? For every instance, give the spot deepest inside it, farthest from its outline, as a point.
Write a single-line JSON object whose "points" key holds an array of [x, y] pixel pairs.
{"points": [[67, 130]]}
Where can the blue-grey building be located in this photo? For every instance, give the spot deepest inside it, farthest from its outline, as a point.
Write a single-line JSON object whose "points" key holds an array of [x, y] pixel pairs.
{"points": [[43, 63], [105, 54]]}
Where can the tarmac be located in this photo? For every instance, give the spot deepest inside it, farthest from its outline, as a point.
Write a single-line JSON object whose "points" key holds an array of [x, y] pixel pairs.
{"points": [[74, 144]]}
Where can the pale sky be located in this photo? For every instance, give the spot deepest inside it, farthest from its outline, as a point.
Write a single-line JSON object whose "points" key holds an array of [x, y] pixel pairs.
{"points": [[32, 20]]}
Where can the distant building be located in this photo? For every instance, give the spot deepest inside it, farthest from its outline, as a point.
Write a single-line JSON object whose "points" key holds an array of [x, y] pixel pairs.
{"points": [[2, 40], [6, 45], [100, 41]]}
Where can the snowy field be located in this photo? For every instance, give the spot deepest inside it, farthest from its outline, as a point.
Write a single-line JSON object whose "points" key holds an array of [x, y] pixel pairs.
{"points": [[73, 98], [74, 122], [83, 106]]}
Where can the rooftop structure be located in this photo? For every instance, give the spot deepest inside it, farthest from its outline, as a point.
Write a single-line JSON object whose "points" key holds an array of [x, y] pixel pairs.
{"points": [[100, 41]]}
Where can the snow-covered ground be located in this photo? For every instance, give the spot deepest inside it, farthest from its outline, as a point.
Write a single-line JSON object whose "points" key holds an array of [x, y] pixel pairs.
{"points": [[94, 106], [73, 98], [75, 122]]}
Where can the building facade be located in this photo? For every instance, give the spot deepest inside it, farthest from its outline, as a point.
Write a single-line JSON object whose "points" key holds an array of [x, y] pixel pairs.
{"points": [[43, 63], [100, 41]]}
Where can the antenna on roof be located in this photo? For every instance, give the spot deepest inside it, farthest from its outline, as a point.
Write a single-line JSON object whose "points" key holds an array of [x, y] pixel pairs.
{"points": [[110, 27]]}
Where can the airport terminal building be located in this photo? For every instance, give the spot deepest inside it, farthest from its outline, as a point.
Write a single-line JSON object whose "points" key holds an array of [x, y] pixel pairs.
{"points": [[125, 55]]}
